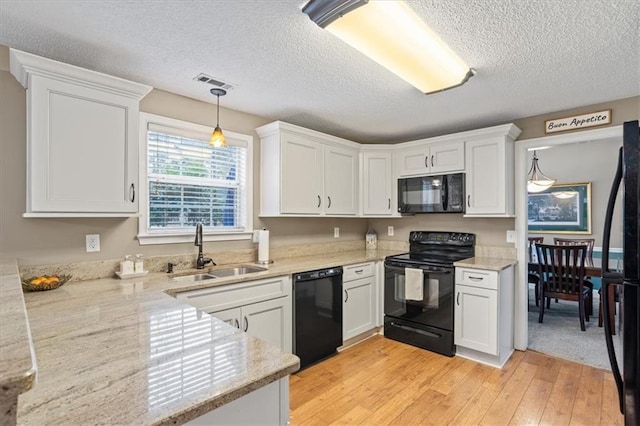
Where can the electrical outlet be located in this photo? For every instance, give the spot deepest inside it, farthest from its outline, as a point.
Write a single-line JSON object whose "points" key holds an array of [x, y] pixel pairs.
{"points": [[93, 243], [390, 231], [336, 232], [511, 236]]}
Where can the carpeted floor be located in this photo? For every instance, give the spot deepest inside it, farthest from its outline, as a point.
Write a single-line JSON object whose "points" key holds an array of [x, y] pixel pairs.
{"points": [[559, 335]]}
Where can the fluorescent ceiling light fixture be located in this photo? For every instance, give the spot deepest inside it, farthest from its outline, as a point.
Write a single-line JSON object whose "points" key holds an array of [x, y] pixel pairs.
{"points": [[390, 33], [537, 181]]}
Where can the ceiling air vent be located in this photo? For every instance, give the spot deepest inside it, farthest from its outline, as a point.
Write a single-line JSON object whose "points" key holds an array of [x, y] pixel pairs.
{"points": [[204, 78]]}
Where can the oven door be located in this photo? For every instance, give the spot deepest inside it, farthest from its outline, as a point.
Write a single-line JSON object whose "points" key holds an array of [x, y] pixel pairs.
{"points": [[436, 307]]}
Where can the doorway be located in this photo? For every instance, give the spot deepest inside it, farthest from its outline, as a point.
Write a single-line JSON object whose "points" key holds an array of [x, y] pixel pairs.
{"points": [[522, 164]]}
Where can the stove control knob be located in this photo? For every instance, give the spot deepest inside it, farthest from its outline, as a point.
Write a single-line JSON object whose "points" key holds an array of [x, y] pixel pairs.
{"points": [[454, 237], [467, 238]]}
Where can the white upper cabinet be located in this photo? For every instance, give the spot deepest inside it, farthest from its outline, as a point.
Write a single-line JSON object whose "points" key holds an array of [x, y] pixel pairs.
{"points": [[82, 143], [340, 180], [427, 157], [490, 173], [304, 172], [378, 192], [301, 175]]}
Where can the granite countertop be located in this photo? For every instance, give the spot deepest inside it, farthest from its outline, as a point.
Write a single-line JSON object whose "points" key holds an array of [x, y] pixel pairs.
{"points": [[488, 263], [120, 351]]}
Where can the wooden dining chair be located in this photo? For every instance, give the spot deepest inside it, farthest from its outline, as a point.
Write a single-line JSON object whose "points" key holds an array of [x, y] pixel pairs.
{"points": [[562, 276], [589, 242], [534, 278]]}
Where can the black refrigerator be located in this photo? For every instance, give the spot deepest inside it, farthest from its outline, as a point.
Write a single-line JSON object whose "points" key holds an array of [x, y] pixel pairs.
{"points": [[626, 183]]}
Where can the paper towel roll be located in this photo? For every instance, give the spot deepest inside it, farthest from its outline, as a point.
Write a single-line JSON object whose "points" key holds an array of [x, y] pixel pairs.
{"points": [[263, 246]]}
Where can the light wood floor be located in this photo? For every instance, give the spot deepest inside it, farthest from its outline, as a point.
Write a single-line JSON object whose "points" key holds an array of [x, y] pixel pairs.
{"points": [[381, 381]]}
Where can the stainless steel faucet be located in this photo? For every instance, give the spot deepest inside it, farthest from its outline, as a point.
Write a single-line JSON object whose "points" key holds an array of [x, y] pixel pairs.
{"points": [[201, 260]]}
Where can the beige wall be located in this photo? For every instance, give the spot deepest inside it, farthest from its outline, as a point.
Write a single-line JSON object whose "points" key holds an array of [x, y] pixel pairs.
{"points": [[622, 110], [42, 241], [489, 232]]}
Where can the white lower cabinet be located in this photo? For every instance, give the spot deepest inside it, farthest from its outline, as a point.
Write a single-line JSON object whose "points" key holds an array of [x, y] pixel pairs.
{"points": [[483, 326], [265, 320], [358, 300], [260, 407], [262, 308], [477, 319]]}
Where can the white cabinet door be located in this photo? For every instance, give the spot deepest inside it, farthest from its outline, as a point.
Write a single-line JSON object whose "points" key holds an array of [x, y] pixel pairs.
{"points": [[269, 321], [82, 139], [476, 319], [83, 149], [489, 177], [340, 180], [358, 304], [446, 157], [377, 183], [302, 175], [230, 316], [414, 161]]}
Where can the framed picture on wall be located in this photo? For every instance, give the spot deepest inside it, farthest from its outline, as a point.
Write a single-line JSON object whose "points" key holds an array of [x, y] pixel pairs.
{"points": [[561, 209]]}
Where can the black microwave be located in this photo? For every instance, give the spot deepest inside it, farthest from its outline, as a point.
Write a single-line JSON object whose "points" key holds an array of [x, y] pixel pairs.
{"points": [[431, 194]]}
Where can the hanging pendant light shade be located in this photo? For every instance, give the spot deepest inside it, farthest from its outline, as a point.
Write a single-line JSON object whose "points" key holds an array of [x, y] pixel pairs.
{"points": [[537, 181], [217, 137]]}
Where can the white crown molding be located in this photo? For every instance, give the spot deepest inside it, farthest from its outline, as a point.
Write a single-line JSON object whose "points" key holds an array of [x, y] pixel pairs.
{"points": [[23, 65]]}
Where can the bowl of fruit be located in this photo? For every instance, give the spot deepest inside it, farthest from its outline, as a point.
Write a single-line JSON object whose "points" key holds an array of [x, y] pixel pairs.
{"points": [[44, 282]]}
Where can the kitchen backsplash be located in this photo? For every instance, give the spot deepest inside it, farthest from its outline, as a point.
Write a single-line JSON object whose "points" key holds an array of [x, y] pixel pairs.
{"points": [[82, 271]]}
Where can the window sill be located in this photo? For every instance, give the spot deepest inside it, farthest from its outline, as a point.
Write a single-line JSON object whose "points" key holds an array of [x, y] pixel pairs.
{"points": [[188, 237]]}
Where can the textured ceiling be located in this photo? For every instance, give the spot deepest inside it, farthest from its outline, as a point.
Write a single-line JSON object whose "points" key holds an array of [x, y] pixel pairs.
{"points": [[532, 57]]}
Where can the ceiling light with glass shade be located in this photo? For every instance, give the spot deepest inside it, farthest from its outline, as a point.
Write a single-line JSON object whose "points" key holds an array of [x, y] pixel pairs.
{"points": [[390, 33], [538, 181], [217, 137]]}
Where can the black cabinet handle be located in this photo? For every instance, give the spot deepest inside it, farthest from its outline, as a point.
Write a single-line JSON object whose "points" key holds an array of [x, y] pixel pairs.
{"points": [[469, 200], [329, 205], [246, 324], [237, 324], [319, 201], [346, 296], [132, 192], [389, 202], [432, 161], [458, 299], [359, 271], [426, 161], [475, 278]]}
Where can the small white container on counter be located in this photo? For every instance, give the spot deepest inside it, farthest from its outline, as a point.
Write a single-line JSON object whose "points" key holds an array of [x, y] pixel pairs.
{"points": [[126, 266], [138, 266], [371, 240]]}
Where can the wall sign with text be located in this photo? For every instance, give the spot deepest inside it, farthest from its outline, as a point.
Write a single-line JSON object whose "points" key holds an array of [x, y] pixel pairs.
{"points": [[592, 119]]}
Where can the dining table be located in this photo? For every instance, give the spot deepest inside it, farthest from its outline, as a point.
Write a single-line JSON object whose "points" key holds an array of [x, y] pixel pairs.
{"points": [[593, 268]]}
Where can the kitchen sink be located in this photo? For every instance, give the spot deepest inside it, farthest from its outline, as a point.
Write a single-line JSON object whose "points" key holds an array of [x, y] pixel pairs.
{"points": [[238, 270], [220, 273], [195, 277]]}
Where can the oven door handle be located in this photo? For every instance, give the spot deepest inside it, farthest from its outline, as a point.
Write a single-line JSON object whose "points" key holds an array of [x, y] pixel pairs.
{"points": [[426, 269]]}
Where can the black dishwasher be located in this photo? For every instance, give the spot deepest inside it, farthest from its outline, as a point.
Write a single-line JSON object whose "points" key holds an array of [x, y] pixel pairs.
{"points": [[317, 311]]}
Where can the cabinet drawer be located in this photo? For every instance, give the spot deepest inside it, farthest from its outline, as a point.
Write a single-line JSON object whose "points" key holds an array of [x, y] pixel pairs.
{"points": [[233, 295], [477, 278], [360, 270]]}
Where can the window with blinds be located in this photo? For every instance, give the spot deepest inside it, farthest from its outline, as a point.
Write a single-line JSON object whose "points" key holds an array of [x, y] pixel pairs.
{"points": [[189, 181]]}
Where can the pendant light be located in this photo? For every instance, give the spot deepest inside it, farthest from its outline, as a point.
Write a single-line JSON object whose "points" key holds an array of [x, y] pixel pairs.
{"points": [[538, 181], [217, 137]]}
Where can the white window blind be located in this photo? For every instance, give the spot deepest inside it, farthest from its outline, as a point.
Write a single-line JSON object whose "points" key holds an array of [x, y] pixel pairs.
{"points": [[190, 182]]}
